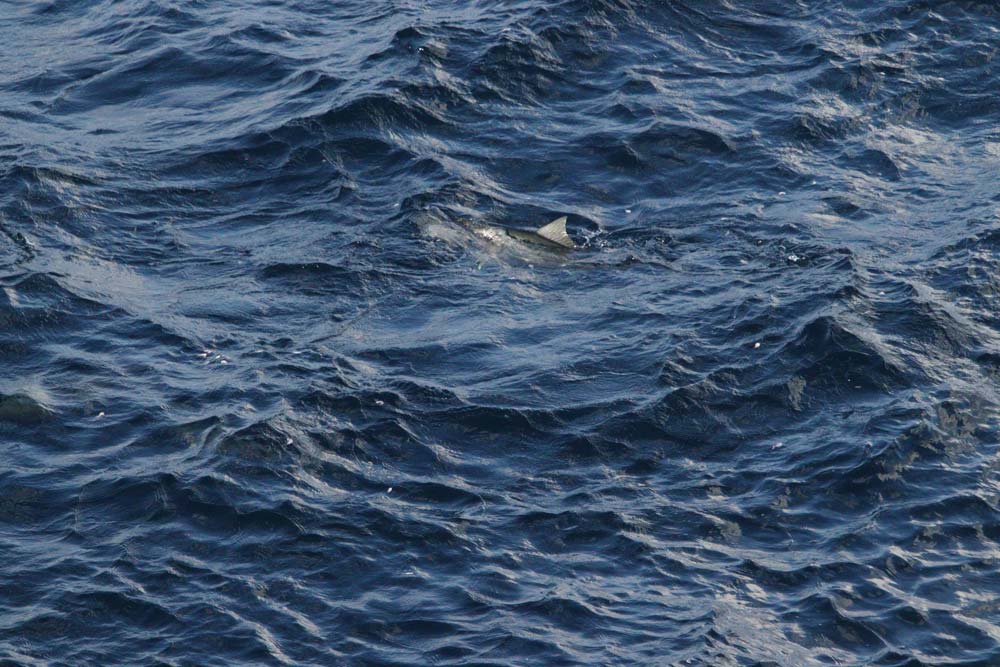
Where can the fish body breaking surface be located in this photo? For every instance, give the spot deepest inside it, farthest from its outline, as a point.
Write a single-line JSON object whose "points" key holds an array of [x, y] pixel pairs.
{"points": [[552, 236]]}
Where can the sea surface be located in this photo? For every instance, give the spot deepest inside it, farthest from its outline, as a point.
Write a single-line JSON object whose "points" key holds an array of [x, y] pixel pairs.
{"points": [[275, 389]]}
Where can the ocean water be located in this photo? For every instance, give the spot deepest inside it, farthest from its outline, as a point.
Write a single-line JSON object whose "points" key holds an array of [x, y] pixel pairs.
{"points": [[269, 395]]}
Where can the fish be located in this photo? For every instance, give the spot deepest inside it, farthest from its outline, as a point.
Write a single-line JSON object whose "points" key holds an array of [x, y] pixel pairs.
{"points": [[553, 235]]}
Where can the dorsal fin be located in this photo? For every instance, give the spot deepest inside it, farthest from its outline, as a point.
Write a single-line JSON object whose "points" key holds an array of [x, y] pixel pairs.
{"points": [[555, 231]]}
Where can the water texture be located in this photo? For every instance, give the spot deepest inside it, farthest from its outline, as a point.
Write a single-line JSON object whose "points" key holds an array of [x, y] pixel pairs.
{"points": [[269, 396]]}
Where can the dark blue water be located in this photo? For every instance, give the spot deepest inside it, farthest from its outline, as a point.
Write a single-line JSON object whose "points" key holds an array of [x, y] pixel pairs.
{"points": [[269, 395]]}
